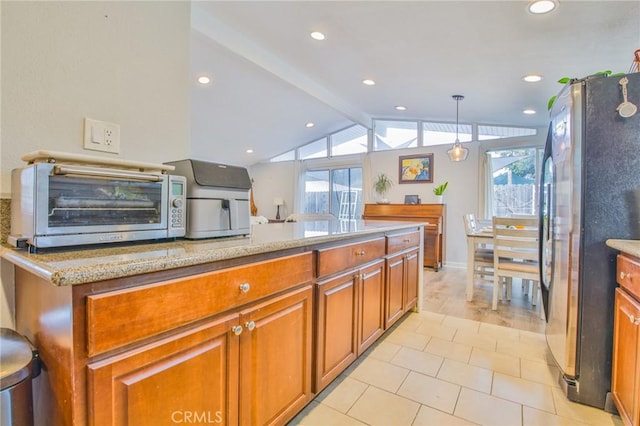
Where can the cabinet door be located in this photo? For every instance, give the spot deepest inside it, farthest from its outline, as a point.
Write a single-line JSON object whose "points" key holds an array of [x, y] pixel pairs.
{"points": [[275, 358], [336, 346], [192, 375], [626, 357], [394, 299], [371, 294], [411, 280]]}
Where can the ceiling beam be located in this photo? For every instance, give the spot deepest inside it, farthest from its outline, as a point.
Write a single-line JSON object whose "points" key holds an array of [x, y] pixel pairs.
{"points": [[221, 33]]}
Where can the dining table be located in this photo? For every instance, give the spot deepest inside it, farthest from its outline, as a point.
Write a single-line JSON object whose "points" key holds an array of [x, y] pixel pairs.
{"points": [[481, 236]]}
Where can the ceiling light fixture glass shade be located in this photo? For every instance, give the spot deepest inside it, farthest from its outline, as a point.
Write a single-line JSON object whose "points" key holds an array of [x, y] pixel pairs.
{"points": [[458, 152], [542, 6]]}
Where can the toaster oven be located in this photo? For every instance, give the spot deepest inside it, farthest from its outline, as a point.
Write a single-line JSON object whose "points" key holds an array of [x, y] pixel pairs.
{"points": [[59, 205]]}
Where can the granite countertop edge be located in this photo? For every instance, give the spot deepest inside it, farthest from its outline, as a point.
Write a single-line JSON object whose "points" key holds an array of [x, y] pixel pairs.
{"points": [[631, 247], [63, 268]]}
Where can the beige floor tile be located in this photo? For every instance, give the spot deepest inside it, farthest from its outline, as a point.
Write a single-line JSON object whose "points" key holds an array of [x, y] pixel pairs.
{"points": [[540, 372], [525, 350], [430, 391], [451, 350], [461, 323], [430, 417], [522, 391], [378, 407], [532, 337], [498, 331], [533, 417], [488, 410], [410, 322], [466, 375], [440, 331], [419, 361], [316, 414], [496, 361], [381, 374], [475, 339], [384, 350], [342, 393], [431, 317], [581, 412], [407, 338]]}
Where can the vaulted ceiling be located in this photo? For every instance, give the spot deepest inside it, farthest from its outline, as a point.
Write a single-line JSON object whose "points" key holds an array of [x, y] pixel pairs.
{"points": [[269, 77]]}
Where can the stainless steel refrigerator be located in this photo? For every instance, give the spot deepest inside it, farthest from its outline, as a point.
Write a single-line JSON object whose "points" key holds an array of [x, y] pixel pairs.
{"points": [[589, 192]]}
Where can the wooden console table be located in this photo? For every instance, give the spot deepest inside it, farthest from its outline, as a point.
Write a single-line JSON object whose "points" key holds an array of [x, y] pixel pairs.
{"points": [[434, 232]]}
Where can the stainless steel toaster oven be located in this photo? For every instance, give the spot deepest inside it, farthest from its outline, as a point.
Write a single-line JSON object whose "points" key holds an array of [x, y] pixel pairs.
{"points": [[58, 205]]}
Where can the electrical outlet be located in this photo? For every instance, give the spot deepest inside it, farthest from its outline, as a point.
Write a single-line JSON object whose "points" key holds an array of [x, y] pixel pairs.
{"points": [[101, 136]]}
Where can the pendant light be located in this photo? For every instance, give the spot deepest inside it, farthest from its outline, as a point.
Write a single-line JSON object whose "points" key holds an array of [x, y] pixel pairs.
{"points": [[458, 152]]}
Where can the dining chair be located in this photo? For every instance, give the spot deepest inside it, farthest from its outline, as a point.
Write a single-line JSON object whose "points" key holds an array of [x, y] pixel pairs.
{"points": [[481, 265], [515, 252]]}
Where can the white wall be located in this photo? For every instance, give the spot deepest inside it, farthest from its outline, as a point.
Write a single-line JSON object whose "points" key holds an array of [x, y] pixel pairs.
{"points": [[123, 62]]}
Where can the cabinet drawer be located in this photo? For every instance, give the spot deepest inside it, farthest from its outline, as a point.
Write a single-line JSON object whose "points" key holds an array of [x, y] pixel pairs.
{"points": [[336, 259], [121, 317], [629, 274], [401, 242]]}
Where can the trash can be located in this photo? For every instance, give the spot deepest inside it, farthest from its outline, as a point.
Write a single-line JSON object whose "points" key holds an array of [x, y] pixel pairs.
{"points": [[18, 365]]}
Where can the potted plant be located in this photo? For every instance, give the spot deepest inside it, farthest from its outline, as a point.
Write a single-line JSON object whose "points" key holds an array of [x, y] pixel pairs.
{"points": [[439, 192], [382, 185]]}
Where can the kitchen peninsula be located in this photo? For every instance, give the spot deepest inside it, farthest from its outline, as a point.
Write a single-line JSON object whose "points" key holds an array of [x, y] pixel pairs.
{"points": [[156, 333]]}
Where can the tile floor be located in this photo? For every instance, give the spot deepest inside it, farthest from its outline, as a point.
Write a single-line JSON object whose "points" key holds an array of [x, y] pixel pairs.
{"points": [[436, 368]]}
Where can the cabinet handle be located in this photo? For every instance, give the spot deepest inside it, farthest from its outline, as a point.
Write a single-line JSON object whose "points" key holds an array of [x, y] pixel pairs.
{"points": [[237, 330], [634, 320], [250, 325], [245, 287], [624, 275], [360, 253], [407, 240]]}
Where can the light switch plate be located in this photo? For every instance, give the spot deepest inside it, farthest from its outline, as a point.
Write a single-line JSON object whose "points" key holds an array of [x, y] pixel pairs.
{"points": [[101, 136]]}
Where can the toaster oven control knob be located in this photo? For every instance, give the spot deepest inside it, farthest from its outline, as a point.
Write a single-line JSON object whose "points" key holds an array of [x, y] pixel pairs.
{"points": [[177, 203]]}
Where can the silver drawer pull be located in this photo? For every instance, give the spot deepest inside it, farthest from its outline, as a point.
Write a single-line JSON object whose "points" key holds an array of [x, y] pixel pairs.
{"points": [[360, 253], [245, 287], [634, 320], [250, 325], [625, 275], [237, 330]]}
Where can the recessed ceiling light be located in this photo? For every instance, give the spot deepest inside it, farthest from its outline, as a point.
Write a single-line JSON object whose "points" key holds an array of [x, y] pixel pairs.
{"points": [[529, 111], [400, 107], [542, 6], [249, 151], [204, 79], [309, 125], [532, 78], [369, 82], [317, 35]]}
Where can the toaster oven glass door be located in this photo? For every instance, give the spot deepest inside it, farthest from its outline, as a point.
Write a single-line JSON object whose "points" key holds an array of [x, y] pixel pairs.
{"points": [[96, 204]]}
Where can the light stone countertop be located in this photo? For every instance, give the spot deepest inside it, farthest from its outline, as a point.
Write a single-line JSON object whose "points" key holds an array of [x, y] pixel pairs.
{"points": [[631, 247], [69, 267]]}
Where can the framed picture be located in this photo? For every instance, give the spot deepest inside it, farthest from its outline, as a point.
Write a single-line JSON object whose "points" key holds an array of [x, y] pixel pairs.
{"points": [[416, 168], [411, 199]]}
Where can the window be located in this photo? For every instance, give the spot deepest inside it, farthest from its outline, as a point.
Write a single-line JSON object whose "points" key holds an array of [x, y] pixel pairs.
{"points": [[352, 140], [395, 135], [287, 156], [498, 132], [444, 133], [512, 175], [335, 191], [316, 149]]}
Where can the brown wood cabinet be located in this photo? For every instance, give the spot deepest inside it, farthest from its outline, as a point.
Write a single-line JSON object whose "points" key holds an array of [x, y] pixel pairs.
{"points": [[434, 232], [350, 306], [625, 386], [402, 276]]}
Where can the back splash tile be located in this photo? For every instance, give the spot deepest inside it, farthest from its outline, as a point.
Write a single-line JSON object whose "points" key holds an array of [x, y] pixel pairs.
{"points": [[5, 219]]}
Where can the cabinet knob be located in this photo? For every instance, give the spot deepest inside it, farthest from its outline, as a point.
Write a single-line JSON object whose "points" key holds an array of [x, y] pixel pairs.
{"points": [[245, 287], [624, 275], [237, 329], [250, 325], [360, 253], [634, 319]]}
